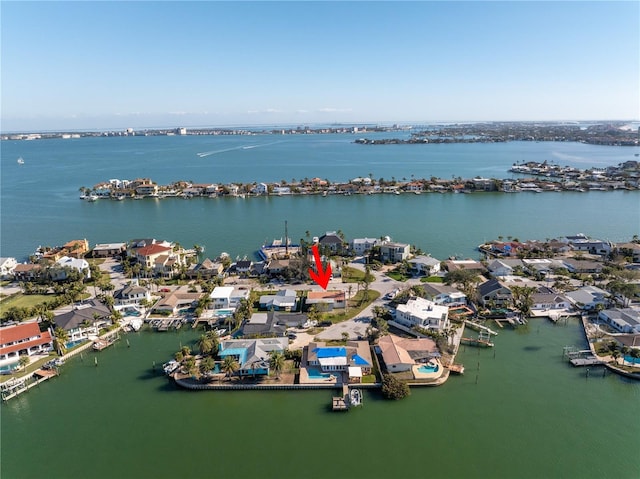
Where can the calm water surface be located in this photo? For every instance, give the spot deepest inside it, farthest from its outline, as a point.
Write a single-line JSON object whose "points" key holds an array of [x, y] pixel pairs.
{"points": [[521, 414]]}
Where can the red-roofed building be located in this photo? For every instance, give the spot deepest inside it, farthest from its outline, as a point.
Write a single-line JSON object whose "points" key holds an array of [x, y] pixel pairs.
{"points": [[21, 339], [147, 256], [328, 300]]}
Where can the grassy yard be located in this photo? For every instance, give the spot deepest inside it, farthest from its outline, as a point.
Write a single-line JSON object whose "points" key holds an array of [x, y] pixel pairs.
{"points": [[353, 275], [20, 300], [432, 279], [95, 261], [29, 369], [354, 307], [398, 276]]}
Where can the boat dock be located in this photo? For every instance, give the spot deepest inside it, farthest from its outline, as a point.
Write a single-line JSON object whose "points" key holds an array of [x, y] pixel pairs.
{"points": [[16, 386], [102, 343], [166, 324], [480, 327], [456, 368], [349, 398], [581, 357]]}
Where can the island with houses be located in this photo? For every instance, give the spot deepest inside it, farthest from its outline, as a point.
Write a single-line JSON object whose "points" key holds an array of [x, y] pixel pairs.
{"points": [[536, 178], [392, 316]]}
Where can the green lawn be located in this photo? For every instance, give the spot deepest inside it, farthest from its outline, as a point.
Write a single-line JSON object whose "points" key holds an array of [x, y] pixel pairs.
{"points": [[397, 276], [30, 368], [431, 279], [353, 275], [20, 300], [354, 307]]}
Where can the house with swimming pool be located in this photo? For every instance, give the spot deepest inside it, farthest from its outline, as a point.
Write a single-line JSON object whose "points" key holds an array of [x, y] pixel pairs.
{"points": [[23, 339], [323, 362], [252, 355]]}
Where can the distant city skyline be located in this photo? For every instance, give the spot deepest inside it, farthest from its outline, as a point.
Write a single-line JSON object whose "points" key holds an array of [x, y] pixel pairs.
{"points": [[118, 65]]}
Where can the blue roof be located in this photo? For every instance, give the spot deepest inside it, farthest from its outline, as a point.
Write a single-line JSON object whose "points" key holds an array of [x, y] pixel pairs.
{"points": [[359, 361], [240, 352], [331, 352]]}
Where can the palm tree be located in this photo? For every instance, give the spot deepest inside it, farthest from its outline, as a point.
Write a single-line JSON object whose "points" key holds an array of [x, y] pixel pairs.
{"points": [[276, 362], [230, 365], [205, 344], [60, 338], [206, 365]]}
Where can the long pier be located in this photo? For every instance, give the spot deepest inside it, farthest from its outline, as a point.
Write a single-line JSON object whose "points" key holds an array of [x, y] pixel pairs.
{"points": [[16, 386]]}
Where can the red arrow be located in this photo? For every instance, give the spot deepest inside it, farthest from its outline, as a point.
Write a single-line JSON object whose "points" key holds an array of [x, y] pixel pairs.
{"points": [[321, 277]]}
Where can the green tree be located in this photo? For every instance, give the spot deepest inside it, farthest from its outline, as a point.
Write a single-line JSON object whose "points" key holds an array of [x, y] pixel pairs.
{"points": [[205, 344], [276, 362], [24, 361], [60, 338], [393, 388], [206, 365], [345, 336], [230, 366], [522, 299]]}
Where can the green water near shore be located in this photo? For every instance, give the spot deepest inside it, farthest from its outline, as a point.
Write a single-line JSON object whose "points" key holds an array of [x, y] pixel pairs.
{"points": [[524, 413]]}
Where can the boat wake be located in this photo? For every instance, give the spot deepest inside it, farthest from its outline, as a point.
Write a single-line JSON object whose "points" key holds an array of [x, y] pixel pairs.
{"points": [[204, 154]]}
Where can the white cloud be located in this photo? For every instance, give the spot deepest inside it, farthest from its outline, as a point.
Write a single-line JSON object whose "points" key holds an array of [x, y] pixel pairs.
{"points": [[334, 110], [268, 110]]}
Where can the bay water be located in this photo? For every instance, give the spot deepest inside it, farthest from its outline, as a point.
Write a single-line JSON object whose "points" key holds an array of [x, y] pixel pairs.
{"points": [[524, 413]]}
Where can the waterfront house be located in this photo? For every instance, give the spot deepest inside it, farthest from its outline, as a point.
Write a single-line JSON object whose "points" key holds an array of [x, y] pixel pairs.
{"points": [[401, 354], [84, 320], [131, 295], [423, 313], [177, 300], [494, 292], [331, 242], [541, 266], [6, 267], [147, 255], [424, 265], [252, 355], [588, 298], [283, 300], [444, 294], [354, 358], [625, 320], [394, 252], [243, 267], [325, 300], [260, 189], [76, 248], [106, 250], [227, 297], [362, 245], [23, 339], [544, 301], [277, 266]]}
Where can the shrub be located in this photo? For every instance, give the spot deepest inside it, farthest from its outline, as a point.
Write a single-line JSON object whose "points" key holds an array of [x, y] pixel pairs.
{"points": [[393, 388]]}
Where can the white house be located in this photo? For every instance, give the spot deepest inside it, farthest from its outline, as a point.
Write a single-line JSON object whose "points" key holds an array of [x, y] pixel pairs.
{"points": [[261, 189], [424, 265], [361, 245], [500, 267], [423, 313], [227, 297], [624, 320], [283, 300], [444, 294], [394, 252], [587, 297], [547, 301], [79, 264], [131, 295], [6, 267]]}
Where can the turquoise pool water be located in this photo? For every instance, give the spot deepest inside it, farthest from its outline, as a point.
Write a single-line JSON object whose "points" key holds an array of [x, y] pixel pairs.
{"points": [[428, 368], [315, 374], [7, 368], [632, 360], [72, 344], [223, 313]]}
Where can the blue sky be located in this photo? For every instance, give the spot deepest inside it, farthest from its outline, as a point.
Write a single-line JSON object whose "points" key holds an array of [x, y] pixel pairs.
{"points": [[75, 65]]}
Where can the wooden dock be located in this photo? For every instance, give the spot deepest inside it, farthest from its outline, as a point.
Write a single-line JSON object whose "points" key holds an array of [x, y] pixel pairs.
{"points": [[102, 343], [16, 386], [456, 368], [341, 403], [586, 361]]}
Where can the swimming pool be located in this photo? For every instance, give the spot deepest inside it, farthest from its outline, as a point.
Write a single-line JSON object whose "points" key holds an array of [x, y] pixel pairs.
{"points": [[632, 360], [8, 368], [73, 344], [315, 374], [223, 313], [428, 368]]}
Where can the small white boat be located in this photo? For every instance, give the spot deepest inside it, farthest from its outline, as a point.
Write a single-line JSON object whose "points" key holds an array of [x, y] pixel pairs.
{"points": [[170, 366], [355, 397], [136, 324], [20, 161], [92, 198]]}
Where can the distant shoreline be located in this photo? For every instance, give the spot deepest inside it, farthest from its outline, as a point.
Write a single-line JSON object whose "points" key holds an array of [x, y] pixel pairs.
{"points": [[541, 177]]}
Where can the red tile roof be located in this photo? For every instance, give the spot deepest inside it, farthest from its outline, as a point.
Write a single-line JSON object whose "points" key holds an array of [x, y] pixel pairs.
{"points": [[153, 249], [10, 334]]}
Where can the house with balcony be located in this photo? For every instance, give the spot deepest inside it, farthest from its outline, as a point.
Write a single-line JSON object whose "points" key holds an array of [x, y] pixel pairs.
{"points": [[444, 294], [494, 293], [6, 267], [252, 355], [131, 295], [394, 252], [360, 246], [23, 339], [424, 265], [227, 297], [422, 313], [84, 320]]}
